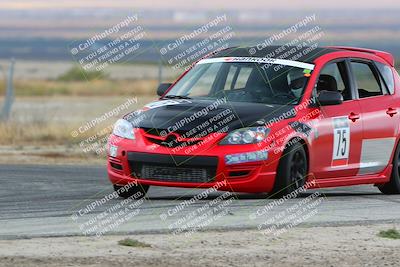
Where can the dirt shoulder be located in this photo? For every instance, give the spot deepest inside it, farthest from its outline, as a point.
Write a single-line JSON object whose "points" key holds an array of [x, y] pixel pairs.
{"points": [[315, 246]]}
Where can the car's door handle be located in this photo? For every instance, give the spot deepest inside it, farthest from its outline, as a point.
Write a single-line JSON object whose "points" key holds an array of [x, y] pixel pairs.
{"points": [[391, 111], [353, 116]]}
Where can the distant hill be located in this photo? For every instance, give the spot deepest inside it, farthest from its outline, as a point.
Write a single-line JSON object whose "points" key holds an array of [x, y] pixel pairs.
{"points": [[45, 30]]}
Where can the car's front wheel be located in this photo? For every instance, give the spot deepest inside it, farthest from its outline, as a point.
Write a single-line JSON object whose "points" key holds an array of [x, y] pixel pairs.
{"points": [[136, 191], [393, 186], [292, 170]]}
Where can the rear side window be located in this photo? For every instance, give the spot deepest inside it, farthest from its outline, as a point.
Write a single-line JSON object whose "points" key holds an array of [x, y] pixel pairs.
{"points": [[387, 76], [367, 81]]}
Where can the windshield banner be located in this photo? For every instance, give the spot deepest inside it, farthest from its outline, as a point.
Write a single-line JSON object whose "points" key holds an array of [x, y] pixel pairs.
{"points": [[261, 60]]}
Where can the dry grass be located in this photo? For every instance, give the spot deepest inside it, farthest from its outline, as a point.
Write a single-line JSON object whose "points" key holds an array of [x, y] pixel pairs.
{"points": [[50, 120], [17, 134], [83, 88]]}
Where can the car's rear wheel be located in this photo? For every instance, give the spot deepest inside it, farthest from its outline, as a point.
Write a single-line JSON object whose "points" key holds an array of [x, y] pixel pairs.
{"points": [[393, 186], [136, 191], [292, 170]]}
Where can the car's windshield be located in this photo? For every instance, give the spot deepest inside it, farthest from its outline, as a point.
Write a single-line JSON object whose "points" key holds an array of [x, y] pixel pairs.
{"points": [[244, 81]]}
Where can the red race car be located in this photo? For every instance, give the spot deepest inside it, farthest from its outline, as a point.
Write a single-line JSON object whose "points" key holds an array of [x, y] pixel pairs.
{"points": [[273, 120]]}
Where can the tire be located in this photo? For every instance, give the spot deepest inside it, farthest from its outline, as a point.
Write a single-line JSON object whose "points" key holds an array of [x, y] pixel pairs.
{"points": [[292, 171], [393, 186], [136, 191]]}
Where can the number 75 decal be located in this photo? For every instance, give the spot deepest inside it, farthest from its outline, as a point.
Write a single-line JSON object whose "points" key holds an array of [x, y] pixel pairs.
{"points": [[341, 142]]}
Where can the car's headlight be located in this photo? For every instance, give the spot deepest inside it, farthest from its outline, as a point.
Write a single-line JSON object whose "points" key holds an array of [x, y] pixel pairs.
{"points": [[124, 129], [251, 135]]}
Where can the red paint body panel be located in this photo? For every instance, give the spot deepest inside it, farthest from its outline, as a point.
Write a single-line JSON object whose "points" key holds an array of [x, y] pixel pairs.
{"points": [[373, 123], [321, 160]]}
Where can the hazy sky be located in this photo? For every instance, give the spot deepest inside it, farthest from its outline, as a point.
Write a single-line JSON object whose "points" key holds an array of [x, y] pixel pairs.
{"points": [[202, 4]]}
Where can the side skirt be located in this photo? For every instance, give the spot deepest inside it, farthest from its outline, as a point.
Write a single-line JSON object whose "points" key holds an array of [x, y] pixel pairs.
{"points": [[381, 178]]}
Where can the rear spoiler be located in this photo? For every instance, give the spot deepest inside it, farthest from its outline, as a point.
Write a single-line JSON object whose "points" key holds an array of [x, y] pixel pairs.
{"points": [[384, 55]]}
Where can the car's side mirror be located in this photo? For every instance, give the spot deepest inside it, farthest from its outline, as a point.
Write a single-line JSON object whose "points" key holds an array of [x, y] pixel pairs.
{"points": [[328, 98], [162, 88]]}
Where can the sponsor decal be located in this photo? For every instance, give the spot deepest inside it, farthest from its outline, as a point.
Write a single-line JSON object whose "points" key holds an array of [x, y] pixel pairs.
{"points": [[246, 157], [261, 60], [163, 103], [341, 142], [307, 73]]}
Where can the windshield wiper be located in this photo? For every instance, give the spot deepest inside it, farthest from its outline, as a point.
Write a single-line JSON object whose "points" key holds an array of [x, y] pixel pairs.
{"points": [[176, 97]]}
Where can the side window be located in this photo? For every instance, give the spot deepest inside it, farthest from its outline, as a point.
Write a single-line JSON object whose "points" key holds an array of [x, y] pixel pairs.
{"points": [[229, 84], [387, 76], [367, 81], [333, 77], [244, 74], [237, 77]]}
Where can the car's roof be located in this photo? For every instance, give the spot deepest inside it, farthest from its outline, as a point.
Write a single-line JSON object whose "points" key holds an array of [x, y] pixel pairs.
{"points": [[308, 54]]}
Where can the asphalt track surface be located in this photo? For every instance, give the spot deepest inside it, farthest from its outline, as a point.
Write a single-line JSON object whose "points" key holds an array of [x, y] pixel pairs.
{"points": [[53, 200]]}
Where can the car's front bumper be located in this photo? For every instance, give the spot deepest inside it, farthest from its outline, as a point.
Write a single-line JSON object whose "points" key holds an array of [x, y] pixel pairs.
{"points": [[210, 166]]}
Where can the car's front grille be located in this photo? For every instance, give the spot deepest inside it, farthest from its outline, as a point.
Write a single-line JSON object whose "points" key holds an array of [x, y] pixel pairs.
{"points": [[168, 168], [177, 174]]}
